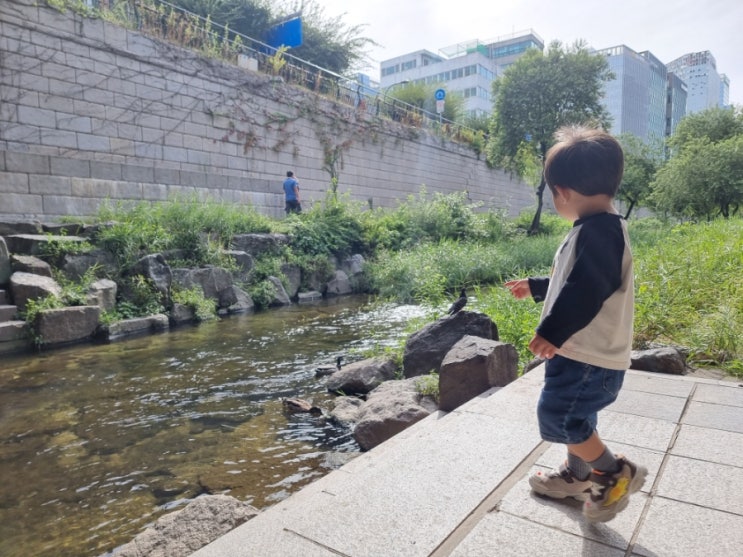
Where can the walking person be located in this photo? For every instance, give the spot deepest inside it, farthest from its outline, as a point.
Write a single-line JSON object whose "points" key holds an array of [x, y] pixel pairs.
{"points": [[291, 194], [585, 330]]}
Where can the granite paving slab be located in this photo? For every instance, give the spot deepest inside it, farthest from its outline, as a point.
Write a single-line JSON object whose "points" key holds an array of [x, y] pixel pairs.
{"points": [[650, 405], [504, 535], [714, 416], [672, 528], [638, 431], [707, 484], [723, 447]]}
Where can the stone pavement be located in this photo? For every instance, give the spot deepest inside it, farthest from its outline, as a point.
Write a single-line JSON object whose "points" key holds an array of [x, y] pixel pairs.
{"points": [[455, 484]]}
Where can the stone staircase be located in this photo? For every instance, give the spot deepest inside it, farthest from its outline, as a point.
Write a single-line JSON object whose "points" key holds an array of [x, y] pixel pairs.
{"points": [[13, 333]]}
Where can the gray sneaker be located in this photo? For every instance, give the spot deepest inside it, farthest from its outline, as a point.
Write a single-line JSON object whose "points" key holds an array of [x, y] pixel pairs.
{"points": [[610, 492], [559, 484]]}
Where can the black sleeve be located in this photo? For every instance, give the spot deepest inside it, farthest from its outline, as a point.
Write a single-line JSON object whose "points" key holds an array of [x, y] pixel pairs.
{"points": [[538, 287], [596, 275]]}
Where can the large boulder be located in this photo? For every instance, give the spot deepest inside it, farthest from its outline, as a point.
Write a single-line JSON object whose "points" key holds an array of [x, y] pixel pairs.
{"points": [[425, 349], [214, 282], [154, 268], [20, 227], [258, 244], [34, 244], [361, 377], [346, 410], [353, 265], [244, 263], [293, 275], [338, 285], [389, 409], [137, 326], [74, 266], [236, 300], [5, 266], [180, 533], [473, 366], [102, 293], [27, 286], [66, 325], [659, 360], [281, 297], [30, 264]]}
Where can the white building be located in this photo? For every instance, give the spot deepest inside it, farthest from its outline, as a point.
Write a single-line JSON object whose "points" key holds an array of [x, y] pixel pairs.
{"points": [[466, 68], [704, 85]]}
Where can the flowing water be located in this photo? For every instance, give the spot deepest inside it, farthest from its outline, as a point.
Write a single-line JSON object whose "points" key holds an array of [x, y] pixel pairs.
{"points": [[98, 441]]}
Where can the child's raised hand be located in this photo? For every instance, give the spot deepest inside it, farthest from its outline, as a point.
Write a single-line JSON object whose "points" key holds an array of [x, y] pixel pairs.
{"points": [[519, 288]]}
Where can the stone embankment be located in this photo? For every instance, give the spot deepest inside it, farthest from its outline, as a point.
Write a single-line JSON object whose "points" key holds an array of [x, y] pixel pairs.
{"points": [[29, 251]]}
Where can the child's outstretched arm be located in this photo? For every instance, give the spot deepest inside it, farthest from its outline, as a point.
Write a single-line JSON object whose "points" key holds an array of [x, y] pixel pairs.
{"points": [[519, 288]]}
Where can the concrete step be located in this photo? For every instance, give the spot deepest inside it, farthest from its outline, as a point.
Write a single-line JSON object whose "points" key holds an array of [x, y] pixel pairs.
{"points": [[7, 313], [13, 330]]}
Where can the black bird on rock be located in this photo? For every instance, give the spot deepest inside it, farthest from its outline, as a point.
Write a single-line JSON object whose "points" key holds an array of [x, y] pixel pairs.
{"points": [[459, 303]]}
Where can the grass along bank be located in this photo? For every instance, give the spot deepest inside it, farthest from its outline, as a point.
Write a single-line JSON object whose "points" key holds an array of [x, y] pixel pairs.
{"points": [[689, 280]]}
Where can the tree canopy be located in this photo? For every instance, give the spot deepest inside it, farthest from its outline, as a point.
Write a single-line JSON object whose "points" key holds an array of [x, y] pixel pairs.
{"points": [[704, 176], [641, 162], [327, 41], [538, 94]]}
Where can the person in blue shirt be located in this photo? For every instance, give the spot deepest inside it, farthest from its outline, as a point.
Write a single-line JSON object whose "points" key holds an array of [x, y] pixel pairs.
{"points": [[291, 191]]}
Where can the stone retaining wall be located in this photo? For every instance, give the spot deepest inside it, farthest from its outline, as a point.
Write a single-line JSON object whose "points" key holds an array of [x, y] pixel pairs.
{"points": [[92, 111]]}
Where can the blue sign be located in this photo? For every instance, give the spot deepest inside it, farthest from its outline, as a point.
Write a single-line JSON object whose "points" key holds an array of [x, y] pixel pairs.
{"points": [[287, 33], [440, 94]]}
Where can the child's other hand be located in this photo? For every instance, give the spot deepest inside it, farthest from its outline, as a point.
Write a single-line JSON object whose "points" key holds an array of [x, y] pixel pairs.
{"points": [[542, 348], [519, 288]]}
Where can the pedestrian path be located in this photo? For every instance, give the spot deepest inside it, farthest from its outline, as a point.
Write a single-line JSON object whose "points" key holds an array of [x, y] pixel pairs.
{"points": [[454, 484]]}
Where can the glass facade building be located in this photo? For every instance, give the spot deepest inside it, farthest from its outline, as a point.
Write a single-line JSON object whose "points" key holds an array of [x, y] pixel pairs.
{"points": [[699, 71], [467, 68], [636, 97]]}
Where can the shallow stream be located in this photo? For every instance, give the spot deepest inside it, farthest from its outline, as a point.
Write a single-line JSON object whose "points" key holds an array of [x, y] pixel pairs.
{"points": [[97, 441]]}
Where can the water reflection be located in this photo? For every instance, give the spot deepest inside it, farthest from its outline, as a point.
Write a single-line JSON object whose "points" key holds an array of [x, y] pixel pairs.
{"points": [[98, 441]]}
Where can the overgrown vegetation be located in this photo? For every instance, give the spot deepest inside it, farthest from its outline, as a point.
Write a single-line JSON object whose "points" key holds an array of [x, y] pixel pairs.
{"points": [[688, 276]]}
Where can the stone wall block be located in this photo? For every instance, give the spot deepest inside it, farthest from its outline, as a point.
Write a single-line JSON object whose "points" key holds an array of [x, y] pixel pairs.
{"points": [[66, 325]]}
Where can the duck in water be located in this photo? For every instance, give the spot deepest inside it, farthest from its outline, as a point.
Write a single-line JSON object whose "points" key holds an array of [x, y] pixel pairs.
{"points": [[328, 369], [299, 406]]}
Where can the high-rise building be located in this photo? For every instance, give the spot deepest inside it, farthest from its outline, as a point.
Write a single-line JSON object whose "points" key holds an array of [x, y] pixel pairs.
{"points": [[636, 97], [467, 68], [699, 71], [675, 102], [724, 90]]}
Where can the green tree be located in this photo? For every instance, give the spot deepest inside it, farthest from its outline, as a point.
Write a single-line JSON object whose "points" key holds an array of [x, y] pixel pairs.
{"points": [[326, 40], [641, 162], [538, 94], [248, 17], [422, 95], [704, 176]]}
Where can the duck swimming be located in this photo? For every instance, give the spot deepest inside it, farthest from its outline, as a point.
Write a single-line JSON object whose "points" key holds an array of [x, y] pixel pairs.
{"points": [[299, 406], [328, 369]]}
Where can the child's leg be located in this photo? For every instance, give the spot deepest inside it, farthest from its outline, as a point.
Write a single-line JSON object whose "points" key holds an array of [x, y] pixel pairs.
{"points": [[595, 454]]}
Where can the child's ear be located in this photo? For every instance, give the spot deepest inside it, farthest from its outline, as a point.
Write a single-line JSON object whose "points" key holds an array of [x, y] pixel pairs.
{"points": [[563, 192]]}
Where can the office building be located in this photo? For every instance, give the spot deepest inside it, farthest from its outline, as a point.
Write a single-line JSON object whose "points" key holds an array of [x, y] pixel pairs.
{"points": [[705, 87], [636, 98], [675, 102], [467, 68]]}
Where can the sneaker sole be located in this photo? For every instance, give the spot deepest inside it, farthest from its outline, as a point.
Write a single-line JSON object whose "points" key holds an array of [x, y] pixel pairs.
{"points": [[606, 514], [554, 494]]}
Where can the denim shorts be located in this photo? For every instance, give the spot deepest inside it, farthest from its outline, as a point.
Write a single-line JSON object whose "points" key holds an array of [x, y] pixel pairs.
{"points": [[572, 396]]}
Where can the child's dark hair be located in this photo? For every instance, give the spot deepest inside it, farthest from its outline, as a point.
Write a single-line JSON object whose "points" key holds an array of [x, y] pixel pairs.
{"points": [[587, 160], [289, 174]]}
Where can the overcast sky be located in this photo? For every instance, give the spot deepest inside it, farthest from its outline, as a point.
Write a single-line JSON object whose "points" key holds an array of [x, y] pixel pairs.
{"points": [[667, 28]]}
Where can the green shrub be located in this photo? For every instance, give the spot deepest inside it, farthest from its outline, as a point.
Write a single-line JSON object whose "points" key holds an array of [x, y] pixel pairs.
{"points": [[204, 308], [428, 385], [139, 298], [262, 293]]}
